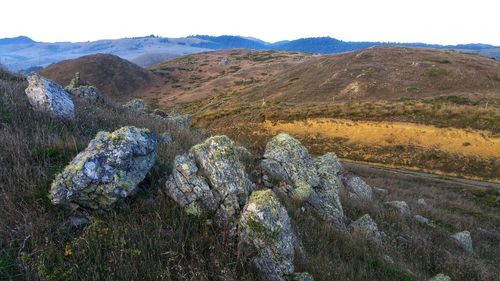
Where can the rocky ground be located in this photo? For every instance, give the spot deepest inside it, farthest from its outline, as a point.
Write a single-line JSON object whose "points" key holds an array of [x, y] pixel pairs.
{"points": [[96, 191]]}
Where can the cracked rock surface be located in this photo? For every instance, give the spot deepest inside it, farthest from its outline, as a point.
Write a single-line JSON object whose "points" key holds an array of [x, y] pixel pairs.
{"points": [[210, 179], [109, 169], [47, 96], [316, 182], [266, 236]]}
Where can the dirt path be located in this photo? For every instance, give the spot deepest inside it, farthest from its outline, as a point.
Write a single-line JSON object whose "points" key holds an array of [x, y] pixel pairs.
{"points": [[466, 182]]}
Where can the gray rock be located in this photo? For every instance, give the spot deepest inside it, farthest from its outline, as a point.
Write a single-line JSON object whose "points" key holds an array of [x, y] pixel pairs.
{"points": [[440, 277], [84, 90], [400, 207], [388, 259], [302, 276], [47, 96], [464, 240], [266, 236], [159, 112], [210, 179], [315, 183], [179, 119], [366, 226], [108, 170], [135, 104], [327, 204], [166, 138], [358, 187], [421, 201], [174, 117], [380, 191], [422, 220], [288, 161]]}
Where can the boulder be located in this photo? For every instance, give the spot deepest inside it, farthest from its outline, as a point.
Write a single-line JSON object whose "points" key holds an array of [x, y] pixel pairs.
{"points": [[366, 226], [47, 96], [135, 104], [400, 207], [421, 219], [358, 188], [328, 206], [108, 170], [302, 276], [440, 277], [315, 183], [267, 240], [380, 191], [174, 117], [210, 179], [179, 119], [421, 201], [285, 159], [84, 90], [464, 240]]}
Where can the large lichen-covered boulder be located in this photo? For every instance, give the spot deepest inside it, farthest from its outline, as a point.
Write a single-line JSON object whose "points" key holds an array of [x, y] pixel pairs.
{"points": [[266, 236], [286, 159], [210, 179], [358, 188], [47, 96], [315, 183], [135, 104], [83, 90], [464, 240], [367, 226], [329, 206], [108, 170]]}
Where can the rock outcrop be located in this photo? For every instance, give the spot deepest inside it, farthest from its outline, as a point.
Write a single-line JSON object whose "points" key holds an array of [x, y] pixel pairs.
{"points": [[108, 170], [401, 207], [464, 240], [210, 179], [422, 220], [266, 236], [135, 104], [358, 188], [47, 96], [174, 117], [366, 226], [83, 90], [440, 277], [316, 183]]}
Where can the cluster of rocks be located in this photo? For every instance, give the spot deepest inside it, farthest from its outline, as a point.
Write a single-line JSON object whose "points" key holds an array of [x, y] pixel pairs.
{"points": [[314, 182], [84, 90], [174, 117], [211, 181]]}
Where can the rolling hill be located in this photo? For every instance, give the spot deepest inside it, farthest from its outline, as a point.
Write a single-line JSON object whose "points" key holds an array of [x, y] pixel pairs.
{"points": [[117, 78], [21, 53], [414, 108]]}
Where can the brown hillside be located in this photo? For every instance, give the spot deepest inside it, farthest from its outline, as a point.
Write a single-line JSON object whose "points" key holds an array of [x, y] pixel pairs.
{"points": [[383, 73], [117, 78], [380, 73]]}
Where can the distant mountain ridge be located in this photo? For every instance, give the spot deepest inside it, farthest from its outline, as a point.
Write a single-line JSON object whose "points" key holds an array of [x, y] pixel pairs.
{"points": [[21, 53]]}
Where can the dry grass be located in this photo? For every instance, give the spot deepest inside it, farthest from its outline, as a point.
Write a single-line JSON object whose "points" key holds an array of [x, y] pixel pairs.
{"points": [[150, 238]]}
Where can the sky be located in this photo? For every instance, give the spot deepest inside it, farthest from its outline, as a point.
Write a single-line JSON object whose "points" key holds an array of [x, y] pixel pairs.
{"points": [[427, 21]]}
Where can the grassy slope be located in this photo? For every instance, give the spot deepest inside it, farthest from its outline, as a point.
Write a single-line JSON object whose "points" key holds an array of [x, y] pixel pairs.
{"points": [[439, 88], [150, 238]]}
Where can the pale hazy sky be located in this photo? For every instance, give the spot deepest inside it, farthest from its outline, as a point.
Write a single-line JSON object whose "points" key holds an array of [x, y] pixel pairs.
{"points": [[429, 21]]}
